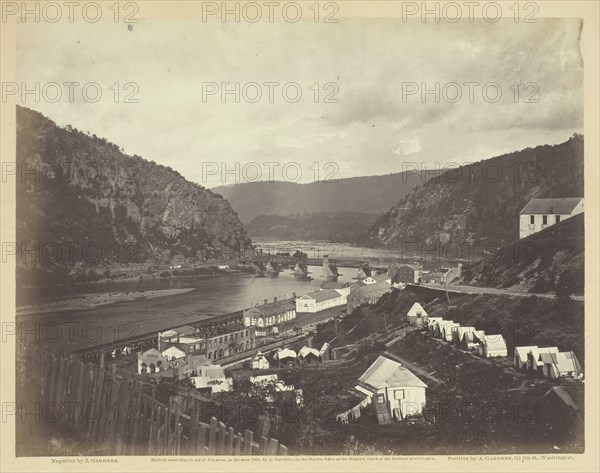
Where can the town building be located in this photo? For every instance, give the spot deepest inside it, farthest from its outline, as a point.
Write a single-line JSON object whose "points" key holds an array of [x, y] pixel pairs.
{"points": [[403, 393], [405, 274], [417, 315], [325, 353], [285, 357], [213, 344], [173, 352], [492, 346], [366, 293], [320, 300], [542, 213], [308, 355], [151, 361], [212, 378], [269, 314], [341, 287], [432, 322]]}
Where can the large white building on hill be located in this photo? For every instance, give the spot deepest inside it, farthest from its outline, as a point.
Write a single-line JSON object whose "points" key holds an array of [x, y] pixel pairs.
{"points": [[542, 213]]}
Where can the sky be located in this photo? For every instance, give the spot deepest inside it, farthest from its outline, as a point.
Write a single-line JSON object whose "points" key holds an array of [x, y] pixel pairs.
{"points": [[376, 121]]}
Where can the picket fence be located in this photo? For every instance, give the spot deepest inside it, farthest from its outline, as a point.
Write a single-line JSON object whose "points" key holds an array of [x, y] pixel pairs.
{"points": [[113, 411]]}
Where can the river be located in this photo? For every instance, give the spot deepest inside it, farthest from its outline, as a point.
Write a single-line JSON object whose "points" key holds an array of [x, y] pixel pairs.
{"points": [[75, 329]]}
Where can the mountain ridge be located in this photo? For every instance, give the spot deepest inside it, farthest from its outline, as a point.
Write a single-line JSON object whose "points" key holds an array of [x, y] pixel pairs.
{"points": [[463, 206], [363, 194], [88, 194]]}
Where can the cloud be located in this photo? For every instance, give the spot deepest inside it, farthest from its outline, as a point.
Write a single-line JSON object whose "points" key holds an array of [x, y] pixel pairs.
{"points": [[370, 127]]}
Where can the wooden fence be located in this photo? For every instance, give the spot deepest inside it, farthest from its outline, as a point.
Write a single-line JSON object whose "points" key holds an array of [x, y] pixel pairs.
{"points": [[114, 411]]}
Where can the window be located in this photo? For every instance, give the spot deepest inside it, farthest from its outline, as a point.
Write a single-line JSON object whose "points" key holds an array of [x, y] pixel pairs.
{"points": [[532, 219], [399, 394], [545, 220], [557, 219]]}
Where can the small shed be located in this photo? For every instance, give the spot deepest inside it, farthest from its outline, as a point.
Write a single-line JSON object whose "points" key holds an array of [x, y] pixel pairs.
{"points": [[260, 362], [561, 365], [460, 334], [520, 356], [449, 331], [308, 355], [492, 346], [285, 357], [417, 315], [534, 360]]}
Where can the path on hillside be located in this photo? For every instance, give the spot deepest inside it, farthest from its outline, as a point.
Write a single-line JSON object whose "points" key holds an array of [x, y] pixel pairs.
{"points": [[492, 290]]}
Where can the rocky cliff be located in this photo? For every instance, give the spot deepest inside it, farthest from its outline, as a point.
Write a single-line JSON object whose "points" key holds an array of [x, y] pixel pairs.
{"points": [[479, 204], [83, 203]]}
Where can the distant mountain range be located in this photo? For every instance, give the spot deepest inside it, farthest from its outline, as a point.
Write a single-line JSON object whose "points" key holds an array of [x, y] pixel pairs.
{"points": [[479, 204], [338, 227], [370, 195], [87, 206]]}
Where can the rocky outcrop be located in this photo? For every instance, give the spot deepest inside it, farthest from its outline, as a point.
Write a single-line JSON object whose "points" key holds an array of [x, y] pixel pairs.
{"points": [[479, 204], [81, 195]]}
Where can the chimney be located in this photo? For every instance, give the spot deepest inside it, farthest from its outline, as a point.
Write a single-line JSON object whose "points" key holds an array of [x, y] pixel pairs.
{"points": [[294, 294], [274, 299], [265, 301]]}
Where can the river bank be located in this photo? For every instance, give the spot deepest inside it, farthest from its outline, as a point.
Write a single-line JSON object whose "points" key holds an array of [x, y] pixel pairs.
{"points": [[91, 301]]}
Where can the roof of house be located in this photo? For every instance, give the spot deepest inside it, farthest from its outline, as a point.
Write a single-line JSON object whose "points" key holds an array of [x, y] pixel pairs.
{"points": [[320, 296], [494, 342], [389, 373], [172, 346], [551, 206], [304, 351], [382, 278], [284, 353], [414, 267], [368, 289], [561, 394], [272, 308], [334, 285], [324, 348], [198, 360], [416, 307], [150, 351]]}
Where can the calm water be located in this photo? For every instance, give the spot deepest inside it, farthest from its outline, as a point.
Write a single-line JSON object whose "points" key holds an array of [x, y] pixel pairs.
{"points": [[212, 296]]}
